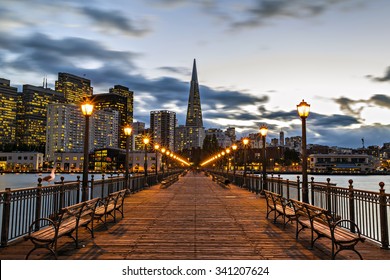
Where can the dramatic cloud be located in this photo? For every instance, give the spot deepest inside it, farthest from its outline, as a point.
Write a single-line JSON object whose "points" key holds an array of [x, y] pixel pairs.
{"points": [[263, 11], [385, 78], [115, 21]]}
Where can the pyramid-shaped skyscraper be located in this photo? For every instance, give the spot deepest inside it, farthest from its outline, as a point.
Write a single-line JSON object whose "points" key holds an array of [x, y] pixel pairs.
{"points": [[194, 121]]}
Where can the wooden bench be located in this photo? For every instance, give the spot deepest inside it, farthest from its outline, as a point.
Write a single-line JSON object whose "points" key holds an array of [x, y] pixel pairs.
{"points": [[322, 224], [109, 206], [169, 181], [221, 181], [66, 222], [280, 206]]}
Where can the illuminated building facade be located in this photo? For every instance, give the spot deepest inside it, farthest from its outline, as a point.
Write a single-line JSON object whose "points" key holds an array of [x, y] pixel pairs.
{"points": [[119, 102], [194, 122], [32, 115], [8, 106], [66, 125], [73, 87], [162, 125]]}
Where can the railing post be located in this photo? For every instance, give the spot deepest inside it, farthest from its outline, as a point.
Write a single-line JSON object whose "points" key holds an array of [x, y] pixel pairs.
{"points": [[92, 186], [6, 217], [298, 189], [280, 190], [38, 203], [62, 191], [312, 190], [79, 184], [273, 183], [351, 205], [288, 188], [102, 188], [383, 217], [328, 198]]}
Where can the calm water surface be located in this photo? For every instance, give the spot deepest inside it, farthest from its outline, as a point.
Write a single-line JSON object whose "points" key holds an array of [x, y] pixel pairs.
{"points": [[25, 180], [365, 182]]}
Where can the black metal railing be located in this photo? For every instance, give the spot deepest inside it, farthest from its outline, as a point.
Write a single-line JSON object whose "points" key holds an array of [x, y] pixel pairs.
{"points": [[370, 210], [20, 207]]}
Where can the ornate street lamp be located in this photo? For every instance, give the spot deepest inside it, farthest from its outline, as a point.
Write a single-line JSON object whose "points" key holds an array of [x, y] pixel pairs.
{"points": [[87, 110], [234, 148], [263, 133], [227, 165], [245, 141], [146, 141], [303, 112], [127, 130]]}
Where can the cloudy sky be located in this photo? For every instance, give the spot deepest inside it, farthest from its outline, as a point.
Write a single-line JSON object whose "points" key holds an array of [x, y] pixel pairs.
{"points": [[256, 59]]}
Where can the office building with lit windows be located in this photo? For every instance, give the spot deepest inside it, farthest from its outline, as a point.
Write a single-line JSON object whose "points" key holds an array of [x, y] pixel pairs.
{"points": [[66, 126], [32, 115], [117, 100], [162, 125], [8, 106], [73, 87]]}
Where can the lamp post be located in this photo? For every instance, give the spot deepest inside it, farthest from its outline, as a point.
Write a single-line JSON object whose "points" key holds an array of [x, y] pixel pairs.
{"points": [[146, 142], [127, 129], [156, 147], [234, 148], [87, 110], [162, 161], [303, 112], [245, 141], [227, 164], [263, 133]]}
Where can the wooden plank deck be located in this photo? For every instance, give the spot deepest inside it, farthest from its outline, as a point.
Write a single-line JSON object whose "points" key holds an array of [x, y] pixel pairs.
{"points": [[194, 219]]}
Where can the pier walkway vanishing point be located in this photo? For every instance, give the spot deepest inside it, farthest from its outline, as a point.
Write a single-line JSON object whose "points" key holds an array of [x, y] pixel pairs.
{"points": [[193, 219]]}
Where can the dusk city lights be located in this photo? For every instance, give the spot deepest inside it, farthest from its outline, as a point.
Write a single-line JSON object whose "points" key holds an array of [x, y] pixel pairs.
{"points": [[239, 135]]}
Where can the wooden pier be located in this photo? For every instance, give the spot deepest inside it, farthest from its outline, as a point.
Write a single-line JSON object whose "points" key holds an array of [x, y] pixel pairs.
{"points": [[193, 219]]}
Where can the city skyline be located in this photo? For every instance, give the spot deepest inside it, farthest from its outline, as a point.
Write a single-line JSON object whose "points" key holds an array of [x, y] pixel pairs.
{"points": [[256, 60]]}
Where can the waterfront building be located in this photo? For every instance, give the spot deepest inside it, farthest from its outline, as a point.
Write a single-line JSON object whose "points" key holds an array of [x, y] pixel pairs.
{"points": [[129, 95], [105, 129], [110, 159], [342, 163], [116, 100], [32, 115], [294, 143], [224, 138], [8, 111], [68, 161], [64, 130], [162, 126], [21, 161], [66, 126], [73, 87]]}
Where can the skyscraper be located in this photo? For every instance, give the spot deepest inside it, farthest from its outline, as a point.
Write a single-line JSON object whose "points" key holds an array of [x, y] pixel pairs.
{"points": [[162, 124], [73, 87], [194, 122], [32, 115], [194, 110], [118, 102], [8, 102]]}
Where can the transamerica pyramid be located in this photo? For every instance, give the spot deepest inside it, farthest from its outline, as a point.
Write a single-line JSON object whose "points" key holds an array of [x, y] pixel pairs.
{"points": [[194, 110]]}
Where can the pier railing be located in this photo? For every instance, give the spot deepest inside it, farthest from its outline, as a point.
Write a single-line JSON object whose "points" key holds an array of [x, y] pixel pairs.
{"points": [[370, 210], [20, 207]]}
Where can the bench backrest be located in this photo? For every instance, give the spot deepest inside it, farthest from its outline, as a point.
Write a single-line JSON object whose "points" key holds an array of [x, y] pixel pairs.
{"points": [[71, 213], [314, 213]]}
